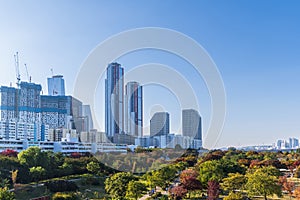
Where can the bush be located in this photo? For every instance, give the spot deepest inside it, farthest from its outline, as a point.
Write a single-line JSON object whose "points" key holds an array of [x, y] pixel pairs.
{"points": [[61, 186], [234, 196], [64, 196], [89, 179]]}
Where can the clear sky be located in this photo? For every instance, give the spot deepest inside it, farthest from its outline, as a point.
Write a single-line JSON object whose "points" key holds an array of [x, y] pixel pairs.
{"points": [[255, 44]]}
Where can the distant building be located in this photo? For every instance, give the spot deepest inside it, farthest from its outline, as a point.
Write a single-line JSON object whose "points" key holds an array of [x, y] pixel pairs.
{"points": [[191, 124], [123, 139], [56, 86], [293, 143], [114, 96], [160, 124], [134, 109], [62, 134], [86, 113]]}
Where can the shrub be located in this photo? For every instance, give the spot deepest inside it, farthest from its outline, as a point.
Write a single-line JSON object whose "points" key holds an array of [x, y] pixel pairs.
{"points": [[61, 186], [65, 196]]}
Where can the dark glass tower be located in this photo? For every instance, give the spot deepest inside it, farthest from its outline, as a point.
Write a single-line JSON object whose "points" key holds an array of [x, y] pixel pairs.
{"points": [[134, 109], [114, 95]]}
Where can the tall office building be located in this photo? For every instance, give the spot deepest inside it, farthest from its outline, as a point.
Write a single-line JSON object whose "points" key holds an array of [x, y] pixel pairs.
{"points": [[191, 124], [114, 95], [56, 86], [160, 124], [134, 109]]}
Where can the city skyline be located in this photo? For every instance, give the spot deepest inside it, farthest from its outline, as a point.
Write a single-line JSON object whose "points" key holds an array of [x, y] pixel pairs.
{"points": [[254, 45]]}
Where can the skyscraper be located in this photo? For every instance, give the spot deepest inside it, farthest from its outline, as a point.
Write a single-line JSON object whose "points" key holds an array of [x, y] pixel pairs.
{"points": [[134, 109], [191, 124], [160, 124], [114, 95], [56, 86]]}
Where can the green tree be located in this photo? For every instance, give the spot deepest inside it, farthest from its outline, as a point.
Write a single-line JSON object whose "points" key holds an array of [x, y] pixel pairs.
{"points": [[262, 182], [32, 157], [135, 189], [5, 194], [162, 177], [116, 185], [93, 167], [210, 170], [233, 182], [37, 173], [234, 196]]}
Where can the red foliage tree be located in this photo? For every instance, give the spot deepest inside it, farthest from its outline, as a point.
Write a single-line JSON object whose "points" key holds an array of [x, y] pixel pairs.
{"points": [[75, 155], [286, 186], [188, 179], [9, 152], [213, 190], [178, 192]]}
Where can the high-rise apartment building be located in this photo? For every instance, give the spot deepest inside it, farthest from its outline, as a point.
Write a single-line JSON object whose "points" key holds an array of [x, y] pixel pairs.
{"points": [[134, 109], [160, 124], [20, 112], [61, 111], [114, 96], [56, 86], [191, 124]]}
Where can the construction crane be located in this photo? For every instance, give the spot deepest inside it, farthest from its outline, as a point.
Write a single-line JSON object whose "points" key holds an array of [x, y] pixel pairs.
{"points": [[28, 77], [16, 56]]}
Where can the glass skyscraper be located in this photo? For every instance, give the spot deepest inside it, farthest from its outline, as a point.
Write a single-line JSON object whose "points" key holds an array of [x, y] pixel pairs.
{"points": [[134, 109], [56, 86], [160, 124], [114, 95], [191, 124]]}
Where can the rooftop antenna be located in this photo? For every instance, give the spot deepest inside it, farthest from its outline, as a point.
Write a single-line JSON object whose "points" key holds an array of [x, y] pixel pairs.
{"points": [[51, 71]]}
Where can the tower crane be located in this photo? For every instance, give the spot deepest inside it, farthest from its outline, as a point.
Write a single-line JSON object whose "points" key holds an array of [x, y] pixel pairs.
{"points": [[16, 56], [28, 77]]}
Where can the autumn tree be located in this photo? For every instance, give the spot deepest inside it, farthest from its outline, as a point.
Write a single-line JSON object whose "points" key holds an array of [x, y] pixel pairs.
{"points": [[297, 193], [178, 192], [14, 175], [287, 185], [188, 179], [213, 190]]}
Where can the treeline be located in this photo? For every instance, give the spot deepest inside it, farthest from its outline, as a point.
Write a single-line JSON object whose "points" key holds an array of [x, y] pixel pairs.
{"points": [[33, 165], [233, 174]]}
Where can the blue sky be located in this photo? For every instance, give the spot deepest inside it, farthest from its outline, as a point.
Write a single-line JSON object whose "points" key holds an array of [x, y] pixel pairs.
{"points": [[255, 45]]}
